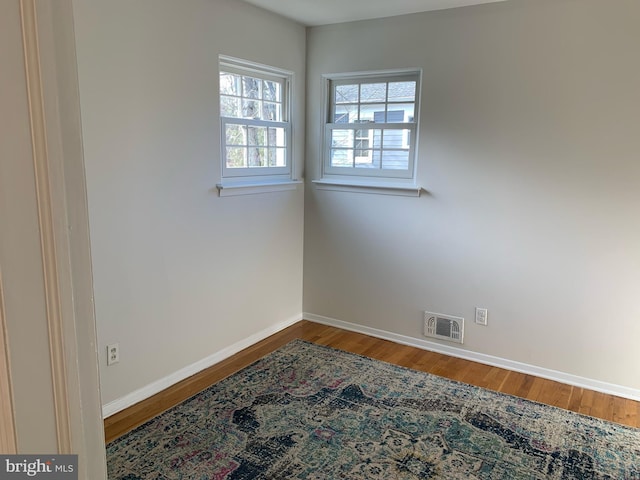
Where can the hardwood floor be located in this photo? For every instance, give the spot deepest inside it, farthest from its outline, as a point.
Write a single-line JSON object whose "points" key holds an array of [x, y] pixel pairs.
{"points": [[579, 400]]}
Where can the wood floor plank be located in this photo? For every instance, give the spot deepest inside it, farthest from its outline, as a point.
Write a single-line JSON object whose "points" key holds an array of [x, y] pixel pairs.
{"points": [[494, 378], [586, 402], [576, 399], [623, 412], [474, 373], [601, 406], [424, 361], [552, 393], [518, 384]]}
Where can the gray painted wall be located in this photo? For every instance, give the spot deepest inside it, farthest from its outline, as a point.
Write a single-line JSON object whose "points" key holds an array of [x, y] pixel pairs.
{"points": [[179, 273], [528, 148]]}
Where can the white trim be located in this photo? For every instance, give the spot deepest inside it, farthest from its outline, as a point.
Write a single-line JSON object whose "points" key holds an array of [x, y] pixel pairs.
{"points": [[46, 221], [62, 195], [367, 74], [562, 377], [229, 190], [147, 391], [8, 434], [243, 65], [381, 188]]}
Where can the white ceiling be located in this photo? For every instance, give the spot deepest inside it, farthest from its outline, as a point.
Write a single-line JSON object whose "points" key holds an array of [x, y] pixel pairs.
{"points": [[323, 12]]}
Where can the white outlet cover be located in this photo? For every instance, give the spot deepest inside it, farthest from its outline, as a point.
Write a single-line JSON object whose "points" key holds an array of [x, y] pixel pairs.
{"points": [[481, 316], [113, 354]]}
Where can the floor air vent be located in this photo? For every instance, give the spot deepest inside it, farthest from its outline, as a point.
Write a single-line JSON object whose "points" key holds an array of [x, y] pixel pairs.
{"points": [[445, 327]]}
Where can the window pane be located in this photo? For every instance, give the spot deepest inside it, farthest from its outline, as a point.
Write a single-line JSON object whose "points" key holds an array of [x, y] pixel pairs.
{"points": [[257, 157], [367, 159], [376, 137], [395, 159], [272, 111], [277, 157], [271, 91], [342, 158], [257, 135], [251, 87], [345, 114], [276, 137], [342, 138], [230, 107], [399, 91], [236, 157], [372, 113], [250, 109], [373, 92], [229, 84], [362, 141], [377, 156], [395, 138], [235, 135], [346, 93], [400, 113]]}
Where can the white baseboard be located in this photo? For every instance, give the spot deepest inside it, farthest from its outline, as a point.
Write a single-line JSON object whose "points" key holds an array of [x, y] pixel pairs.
{"points": [[577, 381], [156, 387]]}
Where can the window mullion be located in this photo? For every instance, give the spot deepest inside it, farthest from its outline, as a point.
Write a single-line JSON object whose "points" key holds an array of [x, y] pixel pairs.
{"points": [[354, 143], [254, 122], [386, 109], [381, 146]]}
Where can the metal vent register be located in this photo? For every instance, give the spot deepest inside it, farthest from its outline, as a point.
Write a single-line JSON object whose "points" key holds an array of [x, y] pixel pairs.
{"points": [[445, 327]]}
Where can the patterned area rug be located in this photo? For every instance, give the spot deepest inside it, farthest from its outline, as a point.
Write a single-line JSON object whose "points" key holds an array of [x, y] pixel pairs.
{"points": [[312, 412]]}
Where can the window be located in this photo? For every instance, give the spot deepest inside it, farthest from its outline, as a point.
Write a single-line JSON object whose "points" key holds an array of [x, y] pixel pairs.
{"points": [[255, 123], [371, 128]]}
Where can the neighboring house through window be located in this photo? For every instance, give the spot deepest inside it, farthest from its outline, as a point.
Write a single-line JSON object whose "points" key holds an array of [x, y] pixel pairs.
{"points": [[370, 132]]}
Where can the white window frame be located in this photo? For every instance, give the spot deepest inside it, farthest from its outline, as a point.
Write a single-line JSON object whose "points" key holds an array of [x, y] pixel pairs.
{"points": [[400, 180], [238, 180]]}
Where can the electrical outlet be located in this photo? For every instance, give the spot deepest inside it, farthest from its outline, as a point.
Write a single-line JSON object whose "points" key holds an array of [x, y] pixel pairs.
{"points": [[113, 354], [481, 316]]}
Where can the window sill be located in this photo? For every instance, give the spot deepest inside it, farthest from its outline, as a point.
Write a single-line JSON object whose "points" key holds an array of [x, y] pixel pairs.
{"points": [[230, 190], [380, 188]]}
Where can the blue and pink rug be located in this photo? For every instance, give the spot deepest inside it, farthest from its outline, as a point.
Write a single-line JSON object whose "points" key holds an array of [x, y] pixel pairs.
{"points": [[311, 412]]}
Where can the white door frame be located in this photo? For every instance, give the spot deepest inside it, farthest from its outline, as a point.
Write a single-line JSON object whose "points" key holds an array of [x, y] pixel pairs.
{"points": [[7, 433], [60, 191]]}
